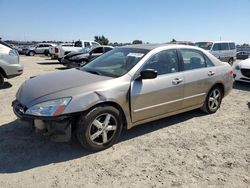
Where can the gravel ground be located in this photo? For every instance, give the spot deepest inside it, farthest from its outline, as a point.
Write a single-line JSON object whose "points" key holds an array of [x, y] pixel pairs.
{"points": [[186, 150]]}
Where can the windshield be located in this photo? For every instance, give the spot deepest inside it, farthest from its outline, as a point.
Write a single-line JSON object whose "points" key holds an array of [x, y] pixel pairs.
{"points": [[204, 45], [115, 63], [5, 44]]}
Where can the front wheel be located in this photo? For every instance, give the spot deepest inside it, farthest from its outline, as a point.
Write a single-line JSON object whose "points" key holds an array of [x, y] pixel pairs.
{"points": [[213, 100], [100, 128], [31, 53]]}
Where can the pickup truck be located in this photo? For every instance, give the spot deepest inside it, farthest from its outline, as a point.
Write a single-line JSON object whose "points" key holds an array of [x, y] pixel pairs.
{"points": [[78, 45], [54, 50]]}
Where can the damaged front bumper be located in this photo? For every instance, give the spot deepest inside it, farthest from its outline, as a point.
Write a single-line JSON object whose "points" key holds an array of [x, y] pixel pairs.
{"points": [[58, 128]]}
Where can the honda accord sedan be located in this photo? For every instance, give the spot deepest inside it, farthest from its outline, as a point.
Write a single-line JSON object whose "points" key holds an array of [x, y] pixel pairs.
{"points": [[125, 87]]}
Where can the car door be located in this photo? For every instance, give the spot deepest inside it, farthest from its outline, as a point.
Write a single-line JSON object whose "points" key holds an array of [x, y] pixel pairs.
{"points": [[198, 73], [38, 49], [154, 97], [225, 52], [215, 50]]}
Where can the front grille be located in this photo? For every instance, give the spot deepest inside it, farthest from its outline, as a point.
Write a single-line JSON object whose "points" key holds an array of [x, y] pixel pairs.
{"points": [[245, 79], [245, 72]]}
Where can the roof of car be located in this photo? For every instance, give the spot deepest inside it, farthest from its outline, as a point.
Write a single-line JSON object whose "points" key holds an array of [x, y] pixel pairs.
{"points": [[153, 46]]}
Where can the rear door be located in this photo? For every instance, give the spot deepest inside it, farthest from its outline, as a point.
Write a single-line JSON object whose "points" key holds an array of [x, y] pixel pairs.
{"points": [[161, 95], [199, 74]]}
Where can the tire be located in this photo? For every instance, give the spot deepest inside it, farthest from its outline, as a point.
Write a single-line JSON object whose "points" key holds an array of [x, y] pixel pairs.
{"points": [[104, 132], [31, 53], [46, 52], [213, 100], [231, 61], [60, 60], [1, 80], [82, 63]]}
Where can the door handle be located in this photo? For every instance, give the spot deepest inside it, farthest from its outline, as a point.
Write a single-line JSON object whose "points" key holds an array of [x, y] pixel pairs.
{"points": [[176, 81], [210, 73]]}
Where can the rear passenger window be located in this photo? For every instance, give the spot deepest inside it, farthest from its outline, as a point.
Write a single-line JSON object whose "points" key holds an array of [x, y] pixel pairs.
{"points": [[164, 62], [232, 45], [192, 59], [216, 47], [208, 62], [224, 46]]}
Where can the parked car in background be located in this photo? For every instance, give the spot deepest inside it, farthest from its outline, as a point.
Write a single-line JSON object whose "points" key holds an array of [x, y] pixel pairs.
{"points": [[78, 45], [124, 87], [242, 55], [183, 42], [54, 50], [76, 59], [40, 48], [242, 71], [223, 50], [9, 62]]}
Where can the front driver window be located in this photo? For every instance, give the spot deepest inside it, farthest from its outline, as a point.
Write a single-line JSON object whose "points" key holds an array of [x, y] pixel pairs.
{"points": [[164, 62]]}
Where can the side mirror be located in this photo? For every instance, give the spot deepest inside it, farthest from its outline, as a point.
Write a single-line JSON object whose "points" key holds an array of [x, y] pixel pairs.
{"points": [[148, 74]]}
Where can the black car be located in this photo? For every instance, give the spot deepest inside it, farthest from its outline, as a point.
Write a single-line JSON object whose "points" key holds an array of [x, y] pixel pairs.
{"points": [[242, 55], [76, 59]]}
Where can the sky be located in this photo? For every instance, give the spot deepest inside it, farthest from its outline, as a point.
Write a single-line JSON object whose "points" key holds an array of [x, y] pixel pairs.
{"points": [[154, 21]]}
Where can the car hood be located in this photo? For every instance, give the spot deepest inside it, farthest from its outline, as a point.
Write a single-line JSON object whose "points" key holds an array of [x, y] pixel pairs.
{"points": [[56, 83], [245, 64]]}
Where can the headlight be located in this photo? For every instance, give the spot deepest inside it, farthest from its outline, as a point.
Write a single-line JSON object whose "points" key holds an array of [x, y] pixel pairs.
{"points": [[12, 53], [49, 108]]}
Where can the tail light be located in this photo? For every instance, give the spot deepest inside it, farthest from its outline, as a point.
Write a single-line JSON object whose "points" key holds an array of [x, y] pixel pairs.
{"points": [[56, 50]]}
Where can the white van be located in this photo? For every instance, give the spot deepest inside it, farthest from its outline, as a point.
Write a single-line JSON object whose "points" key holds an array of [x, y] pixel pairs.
{"points": [[223, 50], [9, 63]]}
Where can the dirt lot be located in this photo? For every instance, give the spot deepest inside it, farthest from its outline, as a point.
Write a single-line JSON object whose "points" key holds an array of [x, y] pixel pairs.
{"points": [[190, 149]]}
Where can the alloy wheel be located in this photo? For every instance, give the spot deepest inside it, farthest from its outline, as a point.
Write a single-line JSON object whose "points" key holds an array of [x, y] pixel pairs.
{"points": [[103, 129], [214, 100]]}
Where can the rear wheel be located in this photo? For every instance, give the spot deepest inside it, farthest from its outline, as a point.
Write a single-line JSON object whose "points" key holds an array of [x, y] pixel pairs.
{"points": [[213, 100], [31, 53], [1, 80], [100, 128]]}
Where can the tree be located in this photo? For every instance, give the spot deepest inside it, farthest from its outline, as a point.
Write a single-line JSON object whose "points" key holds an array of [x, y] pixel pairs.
{"points": [[137, 42], [245, 45], [101, 40], [173, 40]]}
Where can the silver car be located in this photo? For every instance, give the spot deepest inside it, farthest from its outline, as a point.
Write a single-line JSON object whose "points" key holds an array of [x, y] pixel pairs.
{"points": [[9, 63], [124, 87]]}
